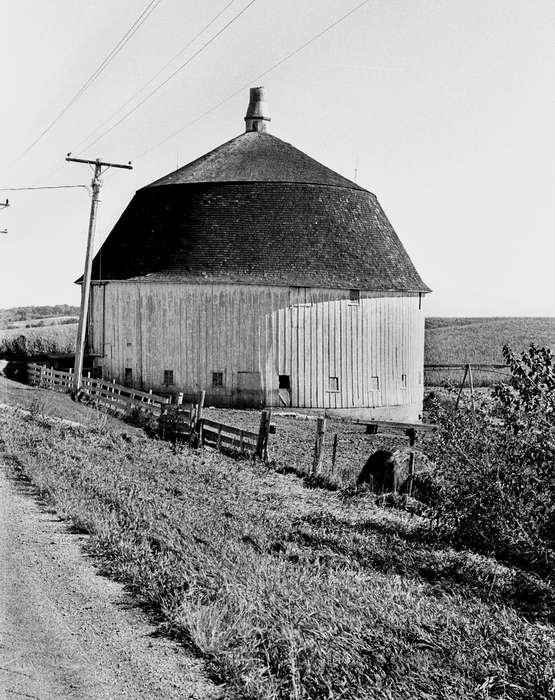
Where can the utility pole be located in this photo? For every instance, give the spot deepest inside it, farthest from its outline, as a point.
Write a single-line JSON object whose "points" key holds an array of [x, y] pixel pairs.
{"points": [[4, 205], [86, 284]]}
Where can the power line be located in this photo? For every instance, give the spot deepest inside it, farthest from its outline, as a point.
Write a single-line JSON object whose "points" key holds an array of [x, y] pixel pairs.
{"points": [[147, 84], [256, 79], [42, 187], [170, 77], [145, 14]]}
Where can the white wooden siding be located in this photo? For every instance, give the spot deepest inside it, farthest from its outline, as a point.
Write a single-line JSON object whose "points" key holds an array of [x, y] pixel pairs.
{"points": [[308, 334]]}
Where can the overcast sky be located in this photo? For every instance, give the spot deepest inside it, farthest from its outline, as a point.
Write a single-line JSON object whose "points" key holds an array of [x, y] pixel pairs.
{"points": [[443, 108]]}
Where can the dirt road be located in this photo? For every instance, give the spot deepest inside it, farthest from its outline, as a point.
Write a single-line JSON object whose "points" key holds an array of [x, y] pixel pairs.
{"points": [[65, 631]]}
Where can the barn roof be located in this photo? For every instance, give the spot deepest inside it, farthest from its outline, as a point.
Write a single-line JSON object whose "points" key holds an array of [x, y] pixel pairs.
{"points": [[256, 210], [255, 157]]}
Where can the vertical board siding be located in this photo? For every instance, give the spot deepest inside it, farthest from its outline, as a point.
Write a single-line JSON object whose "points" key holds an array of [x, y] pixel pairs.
{"points": [[308, 334]]}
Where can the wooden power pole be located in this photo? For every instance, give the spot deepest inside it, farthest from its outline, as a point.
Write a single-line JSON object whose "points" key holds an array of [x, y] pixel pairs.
{"points": [[3, 205], [86, 284]]}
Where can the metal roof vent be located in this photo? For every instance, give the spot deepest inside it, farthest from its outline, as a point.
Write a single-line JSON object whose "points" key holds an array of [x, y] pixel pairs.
{"points": [[258, 114]]}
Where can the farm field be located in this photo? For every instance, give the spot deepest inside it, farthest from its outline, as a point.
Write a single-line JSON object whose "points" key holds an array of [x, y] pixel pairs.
{"points": [[289, 591], [480, 340], [48, 338]]}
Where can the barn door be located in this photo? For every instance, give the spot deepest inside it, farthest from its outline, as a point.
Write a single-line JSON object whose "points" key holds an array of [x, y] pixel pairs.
{"points": [[298, 378]]}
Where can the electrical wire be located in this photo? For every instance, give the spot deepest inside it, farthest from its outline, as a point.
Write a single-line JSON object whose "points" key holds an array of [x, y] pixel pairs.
{"points": [[42, 187], [255, 79], [147, 84], [141, 19], [170, 77]]}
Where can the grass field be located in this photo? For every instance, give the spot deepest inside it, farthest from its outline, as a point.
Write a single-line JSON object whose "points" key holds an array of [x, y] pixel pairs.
{"points": [[290, 592], [480, 340]]}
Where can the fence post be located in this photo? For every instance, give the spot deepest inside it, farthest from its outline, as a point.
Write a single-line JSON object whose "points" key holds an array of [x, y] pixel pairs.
{"points": [[411, 433], [334, 453], [219, 442], [471, 383], [263, 432], [462, 386], [318, 451], [198, 419]]}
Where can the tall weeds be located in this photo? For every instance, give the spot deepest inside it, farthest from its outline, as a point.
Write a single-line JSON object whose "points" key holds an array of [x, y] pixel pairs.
{"points": [[215, 546]]}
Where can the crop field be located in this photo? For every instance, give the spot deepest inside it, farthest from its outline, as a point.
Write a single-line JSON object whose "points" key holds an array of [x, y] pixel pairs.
{"points": [[48, 338], [480, 340], [289, 591]]}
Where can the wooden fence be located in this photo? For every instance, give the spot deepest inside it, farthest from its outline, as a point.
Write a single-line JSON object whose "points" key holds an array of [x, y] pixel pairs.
{"points": [[109, 395], [177, 422]]}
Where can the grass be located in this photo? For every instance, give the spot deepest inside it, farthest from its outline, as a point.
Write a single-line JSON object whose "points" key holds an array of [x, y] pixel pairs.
{"points": [[292, 447], [291, 592], [44, 403]]}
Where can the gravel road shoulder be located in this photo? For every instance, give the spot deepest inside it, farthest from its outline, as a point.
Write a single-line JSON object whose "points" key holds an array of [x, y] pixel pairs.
{"points": [[65, 631]]}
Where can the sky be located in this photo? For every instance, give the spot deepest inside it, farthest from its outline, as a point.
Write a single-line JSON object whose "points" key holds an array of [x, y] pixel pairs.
{"points": [[444, 109]]}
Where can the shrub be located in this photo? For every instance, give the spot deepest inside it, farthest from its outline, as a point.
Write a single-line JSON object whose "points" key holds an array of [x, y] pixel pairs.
{"points": [[496, 465]]}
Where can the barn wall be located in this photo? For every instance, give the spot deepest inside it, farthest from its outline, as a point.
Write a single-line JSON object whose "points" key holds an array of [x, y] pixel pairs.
{"points": [[251, 334]]}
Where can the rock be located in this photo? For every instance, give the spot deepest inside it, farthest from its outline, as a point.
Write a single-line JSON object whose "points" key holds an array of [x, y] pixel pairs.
{"points": [[388, 472]]}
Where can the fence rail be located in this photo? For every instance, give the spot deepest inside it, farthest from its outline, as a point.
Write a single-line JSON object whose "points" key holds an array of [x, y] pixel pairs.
{"points": [[175, 421], [106, 394]]}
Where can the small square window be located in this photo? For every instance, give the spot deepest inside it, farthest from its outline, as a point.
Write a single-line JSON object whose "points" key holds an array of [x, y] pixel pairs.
{"points": [[128, 375], [354, 296], [374, 383], [333, 384], [284, 381], [217, 378], [168, 377]]}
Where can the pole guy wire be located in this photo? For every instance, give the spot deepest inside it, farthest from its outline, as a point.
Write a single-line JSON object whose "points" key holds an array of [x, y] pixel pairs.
{"points": [[145, 14], [156, 75], [172, 75], [255, 79]]}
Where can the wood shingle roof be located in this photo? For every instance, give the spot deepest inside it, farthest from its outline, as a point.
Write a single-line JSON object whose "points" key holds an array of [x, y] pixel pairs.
{"points": [[256, 210]]}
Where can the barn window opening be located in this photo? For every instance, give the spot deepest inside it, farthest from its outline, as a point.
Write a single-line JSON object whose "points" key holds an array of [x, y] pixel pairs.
{"points": [[333, 384], [168, 377], [374, 383], [128, 375], [354, 296], [217, 378], [284, 381], [403, 381]]}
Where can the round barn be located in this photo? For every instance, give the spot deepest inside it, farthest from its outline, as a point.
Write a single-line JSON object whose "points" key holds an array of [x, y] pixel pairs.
{"points": [[264, 278]]}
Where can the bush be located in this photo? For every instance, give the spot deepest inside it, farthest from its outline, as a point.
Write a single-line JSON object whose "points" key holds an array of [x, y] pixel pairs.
{"points": [[496, 465]]}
